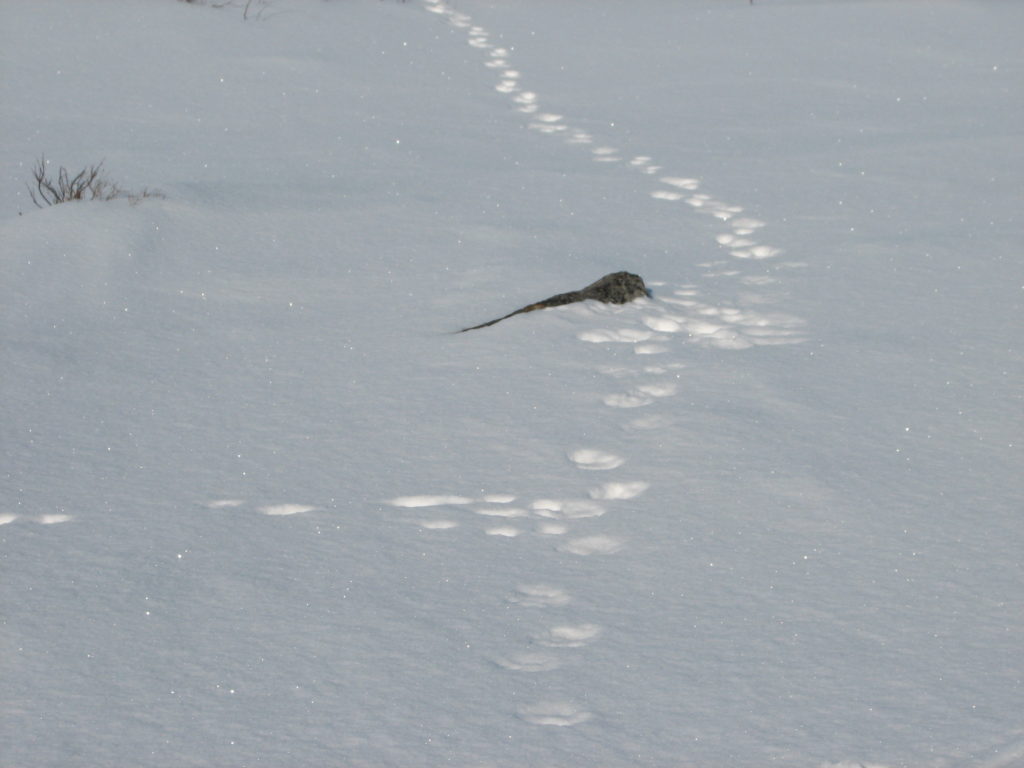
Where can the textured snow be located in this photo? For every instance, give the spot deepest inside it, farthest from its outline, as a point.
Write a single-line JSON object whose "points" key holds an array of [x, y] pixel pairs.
{"points": [[260, 506]]}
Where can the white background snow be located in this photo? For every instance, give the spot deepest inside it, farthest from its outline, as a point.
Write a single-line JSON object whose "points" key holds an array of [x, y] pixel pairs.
{"points": [[261, 507]]}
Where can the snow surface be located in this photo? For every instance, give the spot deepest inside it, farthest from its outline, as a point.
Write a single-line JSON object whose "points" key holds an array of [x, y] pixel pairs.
{"points": [[261, 507]]}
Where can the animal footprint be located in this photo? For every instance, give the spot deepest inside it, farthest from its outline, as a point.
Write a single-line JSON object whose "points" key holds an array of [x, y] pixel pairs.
{"points": [[650, 349], [605, 154], [428, 501], [639, 396], [286, 509], [630, 400], [592, 545], [538, 596], [569, 635], [745, 226], [498, 498], [274, 510], [53, 519], [642, 162], [586, 458], [558, 713], [757, 252], [616, 491], [648, 422], [688, 184], [501, 511], [527, 101], [529, 662], [662, 324], [552, 529], [665, 389], [733, 241], [622, 335], [224, 503], [438, 525], [566, 510]]}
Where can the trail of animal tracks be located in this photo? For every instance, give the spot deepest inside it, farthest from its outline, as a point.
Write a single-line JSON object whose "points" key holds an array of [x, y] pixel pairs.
{"points": [[262, 506], [653, 372]]}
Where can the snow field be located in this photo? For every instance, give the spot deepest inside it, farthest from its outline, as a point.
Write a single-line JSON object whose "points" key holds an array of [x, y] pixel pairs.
{"points": [[261, 507]]}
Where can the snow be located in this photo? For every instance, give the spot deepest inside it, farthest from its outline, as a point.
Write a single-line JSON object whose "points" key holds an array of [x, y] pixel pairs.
{"points": [[262, 507]]}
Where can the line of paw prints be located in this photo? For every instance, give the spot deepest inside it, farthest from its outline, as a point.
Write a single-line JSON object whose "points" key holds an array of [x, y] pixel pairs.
{"points": [[680, 313], [546, 517], [49, 519], [737, 241], [686, 316], [273, 510], [549, 642], [551, 517]]}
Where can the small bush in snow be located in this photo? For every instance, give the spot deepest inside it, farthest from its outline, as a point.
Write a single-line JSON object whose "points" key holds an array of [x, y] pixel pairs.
{"points": [[251, 9], [88, 184]]}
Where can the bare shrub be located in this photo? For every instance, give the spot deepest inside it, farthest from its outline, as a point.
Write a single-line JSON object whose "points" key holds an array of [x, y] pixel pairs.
{"points": [[88, 184], [251, 9]]}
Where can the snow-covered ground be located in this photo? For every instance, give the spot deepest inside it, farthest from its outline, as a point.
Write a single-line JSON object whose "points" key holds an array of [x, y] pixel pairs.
{"points": [[261, 507]]}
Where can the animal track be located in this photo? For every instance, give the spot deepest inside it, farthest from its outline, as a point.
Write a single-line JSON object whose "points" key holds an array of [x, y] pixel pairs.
{"points": [[586, 458], [498, 498], [612, 491], [657, 389], [628, 400], [592, 545], [529, 662], [573, 509], [647, 422], [494, 506], [552, 529], [428, 501], [286, 509], [558, 713], [273, 510], [749, 328], [438, 525], [53, 519], [677, 315], [620, 335], [687, 184], [501, 511], [664, 194], [49, 519], [568, 635], [224, 503], [724, 327], [663, 324], [640, 395], [538, 596]]}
